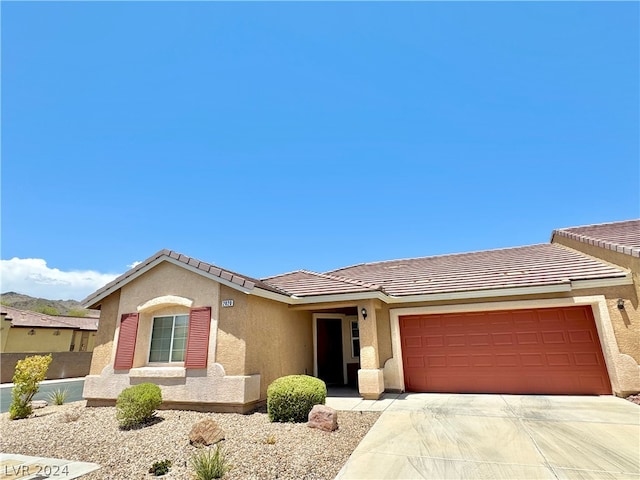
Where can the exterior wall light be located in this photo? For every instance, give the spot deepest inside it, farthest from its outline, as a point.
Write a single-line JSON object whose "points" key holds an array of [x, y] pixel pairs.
{"points": [[364, 313], [56, 332], [31, 332], [620, 304]]}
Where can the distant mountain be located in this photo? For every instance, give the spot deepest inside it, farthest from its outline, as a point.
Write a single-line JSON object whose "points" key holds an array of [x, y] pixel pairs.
{"points": [[70, 308]]}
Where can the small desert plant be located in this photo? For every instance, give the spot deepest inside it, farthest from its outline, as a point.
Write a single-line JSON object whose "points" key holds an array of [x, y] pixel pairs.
{"points": [[209, 464], [270, 440], [58, 396], [291, 398], [137, 405], [160, 468], [28, 374]]}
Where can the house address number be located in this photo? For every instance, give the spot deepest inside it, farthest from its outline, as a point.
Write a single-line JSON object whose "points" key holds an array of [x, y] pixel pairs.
{"points": [[227, 303]]}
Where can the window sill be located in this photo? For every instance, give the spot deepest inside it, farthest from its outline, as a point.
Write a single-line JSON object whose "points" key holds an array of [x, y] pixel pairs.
{"points": [[158, 372]]}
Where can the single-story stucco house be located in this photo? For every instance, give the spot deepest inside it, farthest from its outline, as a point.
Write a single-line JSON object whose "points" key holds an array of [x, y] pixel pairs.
{"points": [[556, 318]]}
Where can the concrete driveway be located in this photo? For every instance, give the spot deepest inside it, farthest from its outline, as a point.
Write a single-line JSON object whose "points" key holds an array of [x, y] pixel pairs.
{"points": [[446, 436]]}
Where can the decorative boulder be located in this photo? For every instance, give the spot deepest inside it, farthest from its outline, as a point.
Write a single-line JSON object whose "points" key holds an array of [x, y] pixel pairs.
{"points": [[206, 432], [39, 404], [323, 417]]}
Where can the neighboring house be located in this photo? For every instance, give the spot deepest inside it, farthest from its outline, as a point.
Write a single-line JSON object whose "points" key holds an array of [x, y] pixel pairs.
{"points": [[25, 332], [558, 318]]}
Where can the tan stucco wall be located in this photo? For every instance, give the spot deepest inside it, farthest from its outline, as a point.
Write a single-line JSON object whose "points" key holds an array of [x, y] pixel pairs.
{"points": [[384, 334], [232, 328], [5, 326], [170, 289], [103, 347], [279, 341], [43, 340]]}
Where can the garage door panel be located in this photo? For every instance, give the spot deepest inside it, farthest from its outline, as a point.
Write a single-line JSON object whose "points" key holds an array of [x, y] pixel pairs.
{"points": [[523, 351], [554, 337], [527, 338], [586, 359], [502, 338], [434, 340], [581, 336]]}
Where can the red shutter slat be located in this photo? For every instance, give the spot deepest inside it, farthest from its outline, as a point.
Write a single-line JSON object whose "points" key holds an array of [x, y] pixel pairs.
{"points": [[126, 341], [198, 338]]}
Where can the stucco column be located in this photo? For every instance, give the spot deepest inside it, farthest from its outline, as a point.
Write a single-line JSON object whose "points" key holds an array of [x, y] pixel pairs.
{"points": [[370, 378]]}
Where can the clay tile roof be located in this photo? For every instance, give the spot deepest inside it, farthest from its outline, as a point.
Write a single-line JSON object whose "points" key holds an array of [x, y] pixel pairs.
{"points": [[622, 237], [534, 265], [242, 280], [303, 283], [29, 319]]}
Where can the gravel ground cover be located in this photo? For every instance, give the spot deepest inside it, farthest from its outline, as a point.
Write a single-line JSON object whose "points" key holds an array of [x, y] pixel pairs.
{"points": [[255, 447], [634, 398]]}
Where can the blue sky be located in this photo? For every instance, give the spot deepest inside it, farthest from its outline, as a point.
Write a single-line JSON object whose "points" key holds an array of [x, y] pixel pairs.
{"points": [[267, 137]]}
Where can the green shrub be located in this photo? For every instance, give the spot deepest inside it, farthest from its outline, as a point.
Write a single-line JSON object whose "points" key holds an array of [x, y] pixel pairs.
{"points": [[58, 396], [137, 405], [209, 464], [291, 398], [160, 468], [28, 374]]}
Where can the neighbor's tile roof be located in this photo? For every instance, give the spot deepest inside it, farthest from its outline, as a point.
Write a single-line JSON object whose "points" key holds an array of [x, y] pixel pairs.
{"points": [[622, 237], [534, 265], [241, 280], [304, 283], [26, 318]]}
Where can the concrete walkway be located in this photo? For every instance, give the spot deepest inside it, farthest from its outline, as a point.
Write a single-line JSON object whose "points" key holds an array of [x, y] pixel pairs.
{"points": [[449, 436]]}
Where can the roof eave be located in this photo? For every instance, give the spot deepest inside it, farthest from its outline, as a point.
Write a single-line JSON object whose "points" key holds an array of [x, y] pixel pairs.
{"points": [[559, 287], [94, 300]]}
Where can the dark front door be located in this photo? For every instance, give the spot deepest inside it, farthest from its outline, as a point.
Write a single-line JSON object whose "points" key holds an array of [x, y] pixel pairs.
{"points": [[329, 337]]}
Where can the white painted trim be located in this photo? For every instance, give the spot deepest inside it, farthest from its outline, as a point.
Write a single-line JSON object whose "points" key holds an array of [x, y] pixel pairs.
{"points": [[494, 292], [314, 326], [432, 297], [598, 304], [599, 283], [315, 318]]}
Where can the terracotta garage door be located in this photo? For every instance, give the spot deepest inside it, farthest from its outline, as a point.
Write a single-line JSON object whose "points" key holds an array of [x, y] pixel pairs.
{"points": [[551, 350]]}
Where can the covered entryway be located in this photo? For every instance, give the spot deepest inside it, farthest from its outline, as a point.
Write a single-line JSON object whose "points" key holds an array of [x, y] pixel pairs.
{"points": [[544, 351], [329, 341]]}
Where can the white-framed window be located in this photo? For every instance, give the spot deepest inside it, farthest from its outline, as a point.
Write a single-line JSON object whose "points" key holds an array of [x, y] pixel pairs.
{"points": [[355, 339], [168, 338]]}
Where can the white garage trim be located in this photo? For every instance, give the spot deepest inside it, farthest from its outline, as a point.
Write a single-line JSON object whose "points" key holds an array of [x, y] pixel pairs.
{"points": [[621, 367]]}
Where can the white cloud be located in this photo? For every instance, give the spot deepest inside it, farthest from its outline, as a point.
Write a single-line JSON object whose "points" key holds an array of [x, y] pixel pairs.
{"points": [[134, 264], [32, 276]]}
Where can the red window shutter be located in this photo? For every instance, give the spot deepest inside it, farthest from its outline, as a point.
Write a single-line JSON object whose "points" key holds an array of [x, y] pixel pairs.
{"points": [[126, 341], [198, 338]]}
